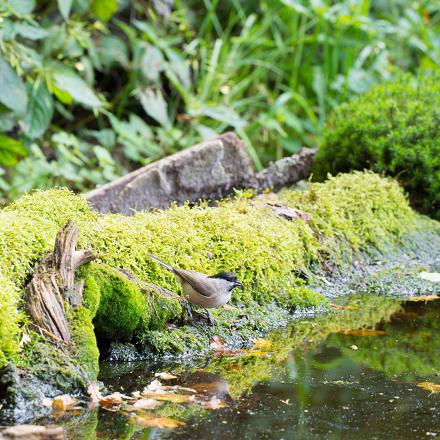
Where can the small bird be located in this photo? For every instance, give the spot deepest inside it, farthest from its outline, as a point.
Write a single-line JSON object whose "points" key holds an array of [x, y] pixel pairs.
{"points": [[203, 290]]}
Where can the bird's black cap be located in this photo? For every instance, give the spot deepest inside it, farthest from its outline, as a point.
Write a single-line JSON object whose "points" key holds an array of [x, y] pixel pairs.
{"points": [[228, 276]]}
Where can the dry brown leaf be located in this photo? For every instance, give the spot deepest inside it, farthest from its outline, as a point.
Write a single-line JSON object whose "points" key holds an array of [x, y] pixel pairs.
{"points": [[93, 392], [261, 344], [361, 332], [159, 422], [154, 386], [111, 400], [146, 404], [433, 387], [136, 394], [168, 397], [217, 343], [63, 402], [421, 298], [214, 403], [165, 376], [338, 307]]}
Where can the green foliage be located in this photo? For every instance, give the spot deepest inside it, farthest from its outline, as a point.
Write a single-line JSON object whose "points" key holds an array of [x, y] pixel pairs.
{"points": [[267, 252], [93, 88], [10, 320], [392, 129], [83, 335], [121, 306]]}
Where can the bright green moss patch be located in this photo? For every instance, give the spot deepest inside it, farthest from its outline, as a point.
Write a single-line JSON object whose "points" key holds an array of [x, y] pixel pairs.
{"points": [[121, 305], [391, 129], [10, 319], [83, 335], [268, 253]]}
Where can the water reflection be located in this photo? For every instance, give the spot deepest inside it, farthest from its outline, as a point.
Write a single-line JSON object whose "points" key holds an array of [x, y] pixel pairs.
{"points": [[309, 382]]}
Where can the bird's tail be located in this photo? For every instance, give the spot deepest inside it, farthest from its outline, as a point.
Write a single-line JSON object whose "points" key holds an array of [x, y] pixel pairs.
{"points": [[158, 260]]}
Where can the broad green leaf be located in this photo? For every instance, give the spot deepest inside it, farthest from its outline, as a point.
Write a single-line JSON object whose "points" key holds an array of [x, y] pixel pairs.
{"points": [[65, 6], [221, 113], [40, 112], [152, 62], [155, 105], [77, 88], [104, 9], [112, 50], [10, 151], [22, 7], [12, 89], [31, 32]]}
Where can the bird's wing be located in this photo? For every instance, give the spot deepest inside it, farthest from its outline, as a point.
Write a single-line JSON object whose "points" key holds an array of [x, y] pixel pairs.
{"points": [[198, 281]]}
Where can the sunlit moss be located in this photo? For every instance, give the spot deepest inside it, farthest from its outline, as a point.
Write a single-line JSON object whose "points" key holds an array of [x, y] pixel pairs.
{"points": [[83, 335], [10, 318], [243, 235]]}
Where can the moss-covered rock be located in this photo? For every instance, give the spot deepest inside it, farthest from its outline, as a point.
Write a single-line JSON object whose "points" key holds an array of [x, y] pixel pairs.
{"points": [[392, 129], [270, 254], [83, 335]]}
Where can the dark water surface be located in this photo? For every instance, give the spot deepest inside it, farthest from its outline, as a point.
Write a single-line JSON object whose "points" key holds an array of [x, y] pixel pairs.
{"points": [[331, 386]]}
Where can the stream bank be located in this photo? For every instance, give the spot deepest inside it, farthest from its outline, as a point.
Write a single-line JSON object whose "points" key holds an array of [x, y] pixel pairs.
{"points": [[293, 251]]}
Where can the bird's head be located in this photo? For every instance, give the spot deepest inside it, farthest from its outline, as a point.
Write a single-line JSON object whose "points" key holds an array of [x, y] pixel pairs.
{"points": [[229, 277]]}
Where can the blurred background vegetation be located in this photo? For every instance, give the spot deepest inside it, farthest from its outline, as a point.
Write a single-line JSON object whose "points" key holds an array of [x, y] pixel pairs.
{"points": [[90, 89]]}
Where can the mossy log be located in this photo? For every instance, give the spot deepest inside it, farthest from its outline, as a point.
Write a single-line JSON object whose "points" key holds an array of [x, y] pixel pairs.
{"points": [[53, 283]]}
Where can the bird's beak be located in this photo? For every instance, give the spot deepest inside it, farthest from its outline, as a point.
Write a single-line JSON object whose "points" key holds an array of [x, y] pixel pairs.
{"points": [[238, 284]]}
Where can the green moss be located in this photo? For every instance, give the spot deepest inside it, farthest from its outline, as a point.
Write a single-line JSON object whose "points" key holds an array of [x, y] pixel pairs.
{"points": [[392, 129], [83, 335], [163, 309], [92, 289], [10, 319], [122, 305], [268, 253]]}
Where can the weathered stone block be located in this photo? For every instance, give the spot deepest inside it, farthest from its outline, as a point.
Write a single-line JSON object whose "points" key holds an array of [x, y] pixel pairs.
{"points": [[209, 170]]}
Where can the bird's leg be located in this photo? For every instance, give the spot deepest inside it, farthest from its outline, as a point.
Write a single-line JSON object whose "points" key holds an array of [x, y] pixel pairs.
{"points": [[210, 320], [189, 311]]}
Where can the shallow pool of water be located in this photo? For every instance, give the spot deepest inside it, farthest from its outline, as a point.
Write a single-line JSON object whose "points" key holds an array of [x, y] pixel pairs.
{"points": [[336, 384]]}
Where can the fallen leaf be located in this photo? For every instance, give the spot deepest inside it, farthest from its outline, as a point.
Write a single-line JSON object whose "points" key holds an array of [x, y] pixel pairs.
{"points": [[262, 344], [136, 394], [354, 347], [146, 404], [361, 332], [93, 392], [430, 276], [338, 307], [111, 400], [169, 397], [421, 298], [217, 344], [214, 403], [154, 386], [433, 387], [47, 402], [165, 376], [159, 422], [63, 402], [286, 402]]}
